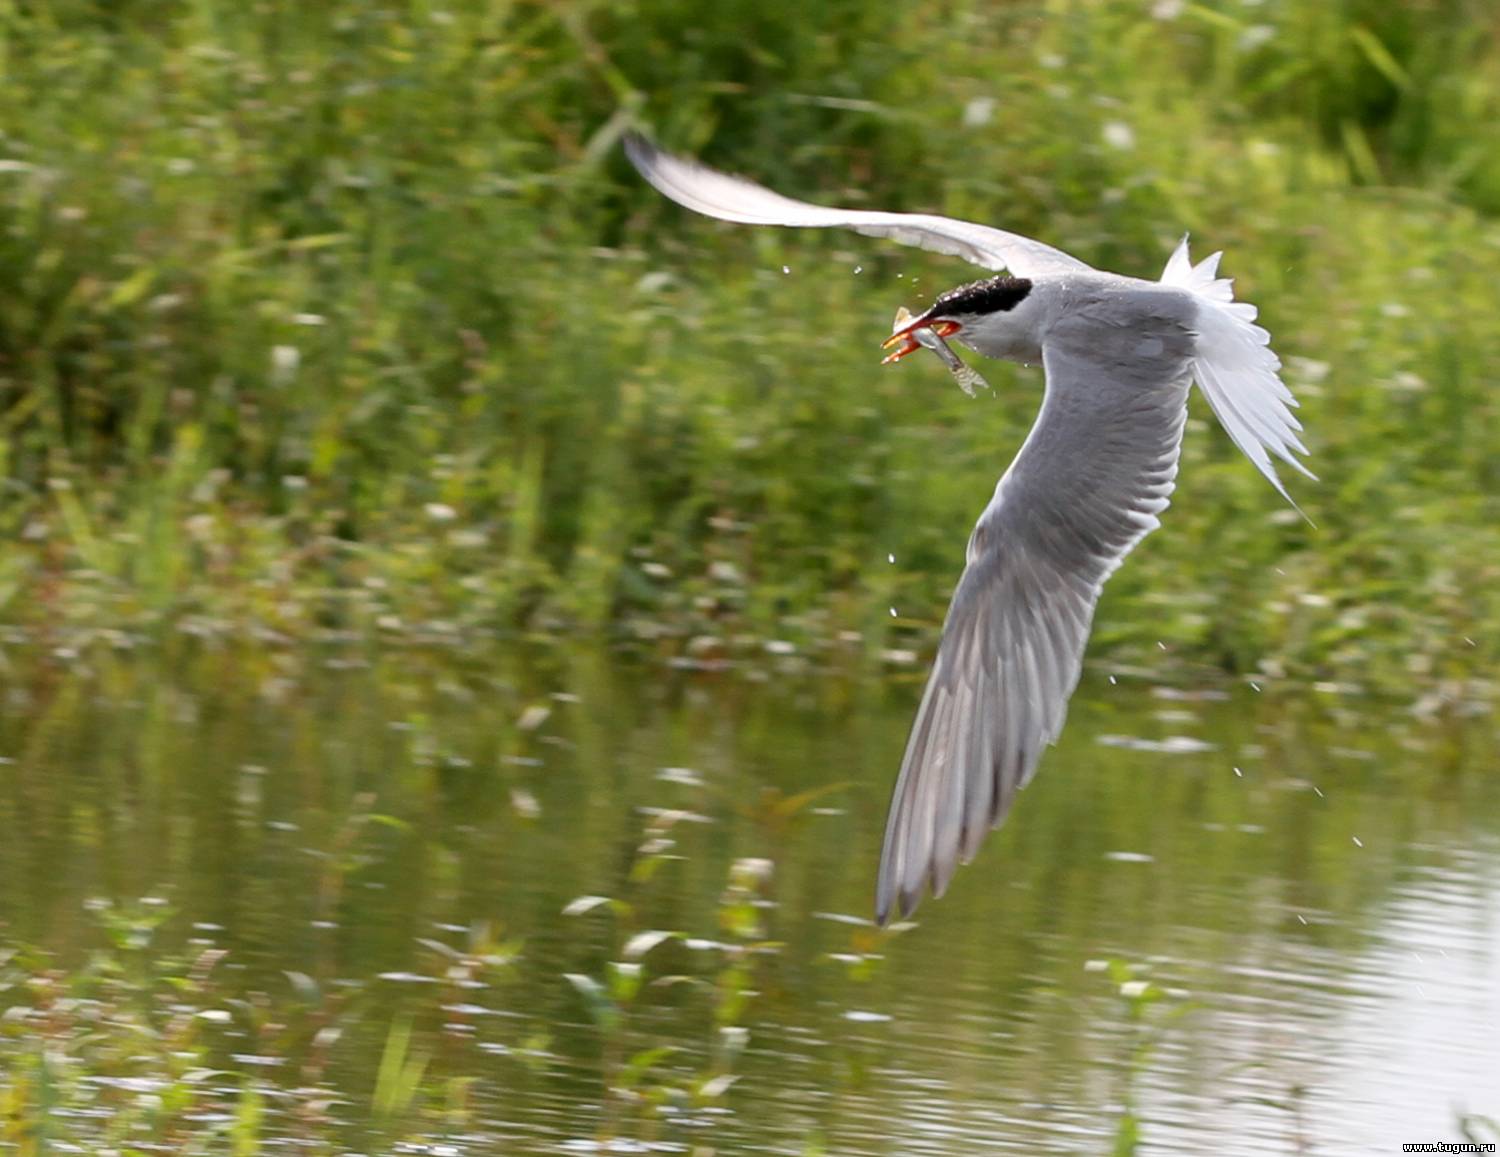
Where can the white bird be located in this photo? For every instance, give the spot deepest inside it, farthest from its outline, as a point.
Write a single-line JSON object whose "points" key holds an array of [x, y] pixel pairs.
{"points": [[1088, 484]]}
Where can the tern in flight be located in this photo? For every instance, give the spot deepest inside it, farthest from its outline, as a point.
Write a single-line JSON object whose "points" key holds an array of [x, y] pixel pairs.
{"points": [[1092, 476]]}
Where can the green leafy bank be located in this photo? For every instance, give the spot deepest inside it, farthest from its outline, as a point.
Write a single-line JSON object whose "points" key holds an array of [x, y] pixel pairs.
{"points": [[332, 319]]}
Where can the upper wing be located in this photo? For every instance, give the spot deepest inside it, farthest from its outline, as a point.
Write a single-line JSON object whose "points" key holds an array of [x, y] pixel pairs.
{"points": [[716, 194], [1089, 481]]}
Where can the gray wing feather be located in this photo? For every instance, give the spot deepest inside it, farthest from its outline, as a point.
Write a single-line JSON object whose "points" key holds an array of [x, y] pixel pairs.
{"points": [[716, 194], [1087, 485]]}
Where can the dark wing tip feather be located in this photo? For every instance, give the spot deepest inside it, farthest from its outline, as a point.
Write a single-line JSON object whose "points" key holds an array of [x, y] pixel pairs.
{"points": [[884, 897], [641, 150], [983, 724]]}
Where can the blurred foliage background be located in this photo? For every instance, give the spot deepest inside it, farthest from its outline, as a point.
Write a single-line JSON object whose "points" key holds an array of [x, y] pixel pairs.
{"points": [[351, 320]]}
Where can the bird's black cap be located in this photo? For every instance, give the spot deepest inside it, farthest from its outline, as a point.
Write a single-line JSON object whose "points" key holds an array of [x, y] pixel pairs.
{"points": [[992, 295]]}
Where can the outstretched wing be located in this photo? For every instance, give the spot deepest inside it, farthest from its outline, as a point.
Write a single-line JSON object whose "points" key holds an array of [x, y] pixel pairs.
{"points": [[716, 194], [1088, 484]]}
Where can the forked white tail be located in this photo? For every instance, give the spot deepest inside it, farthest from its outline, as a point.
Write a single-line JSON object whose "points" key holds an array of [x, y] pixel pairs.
{"points": [[1237, 370]]}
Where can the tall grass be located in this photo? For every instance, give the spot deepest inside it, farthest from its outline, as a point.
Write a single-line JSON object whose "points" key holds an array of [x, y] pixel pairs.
{"points": [[352, 316]]}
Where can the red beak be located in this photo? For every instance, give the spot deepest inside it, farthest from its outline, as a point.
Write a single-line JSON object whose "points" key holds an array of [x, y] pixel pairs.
{"points": [[907, 337]]}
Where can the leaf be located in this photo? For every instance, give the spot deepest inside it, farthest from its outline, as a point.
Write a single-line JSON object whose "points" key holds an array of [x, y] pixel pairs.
{"points": [[584, 904], [788, 806], [1360, 155], [643, 942], [248, 1114], [624, 980], [677, 978], [533, 717], [1210, 16], [640, 1064], [400, 1073], [446, 950], [304, 985], [643, 869], [1380, 57], [132, 289], [316, 241], [606, 1015], [1142, 991], [587, 985], [716, 1087]]}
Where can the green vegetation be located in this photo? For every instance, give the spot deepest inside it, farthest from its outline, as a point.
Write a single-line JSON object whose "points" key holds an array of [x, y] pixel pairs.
{"points": [[351, 317]]}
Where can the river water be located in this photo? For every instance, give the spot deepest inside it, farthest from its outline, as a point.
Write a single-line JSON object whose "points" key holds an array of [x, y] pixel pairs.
{"points": [[1220, 920]]}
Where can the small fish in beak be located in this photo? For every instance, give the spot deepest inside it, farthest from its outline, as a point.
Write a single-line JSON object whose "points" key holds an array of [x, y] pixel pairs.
{"points": [[913, 337]]}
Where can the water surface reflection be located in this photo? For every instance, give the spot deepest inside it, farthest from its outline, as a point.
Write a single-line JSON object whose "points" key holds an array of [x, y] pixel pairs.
{"points": [[1310, 886]]}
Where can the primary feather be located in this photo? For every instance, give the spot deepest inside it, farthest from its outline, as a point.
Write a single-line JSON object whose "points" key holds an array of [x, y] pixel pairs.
{"points": [[716, 194]]}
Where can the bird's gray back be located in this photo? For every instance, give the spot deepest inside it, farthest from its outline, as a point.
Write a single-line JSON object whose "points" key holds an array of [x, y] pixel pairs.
{"points": [[1118, 365]]}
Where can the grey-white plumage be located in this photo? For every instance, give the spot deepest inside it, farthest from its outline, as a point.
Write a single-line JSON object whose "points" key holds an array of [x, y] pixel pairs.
{"points": [[716, 194], [1090, 480], [1087, 485]]}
